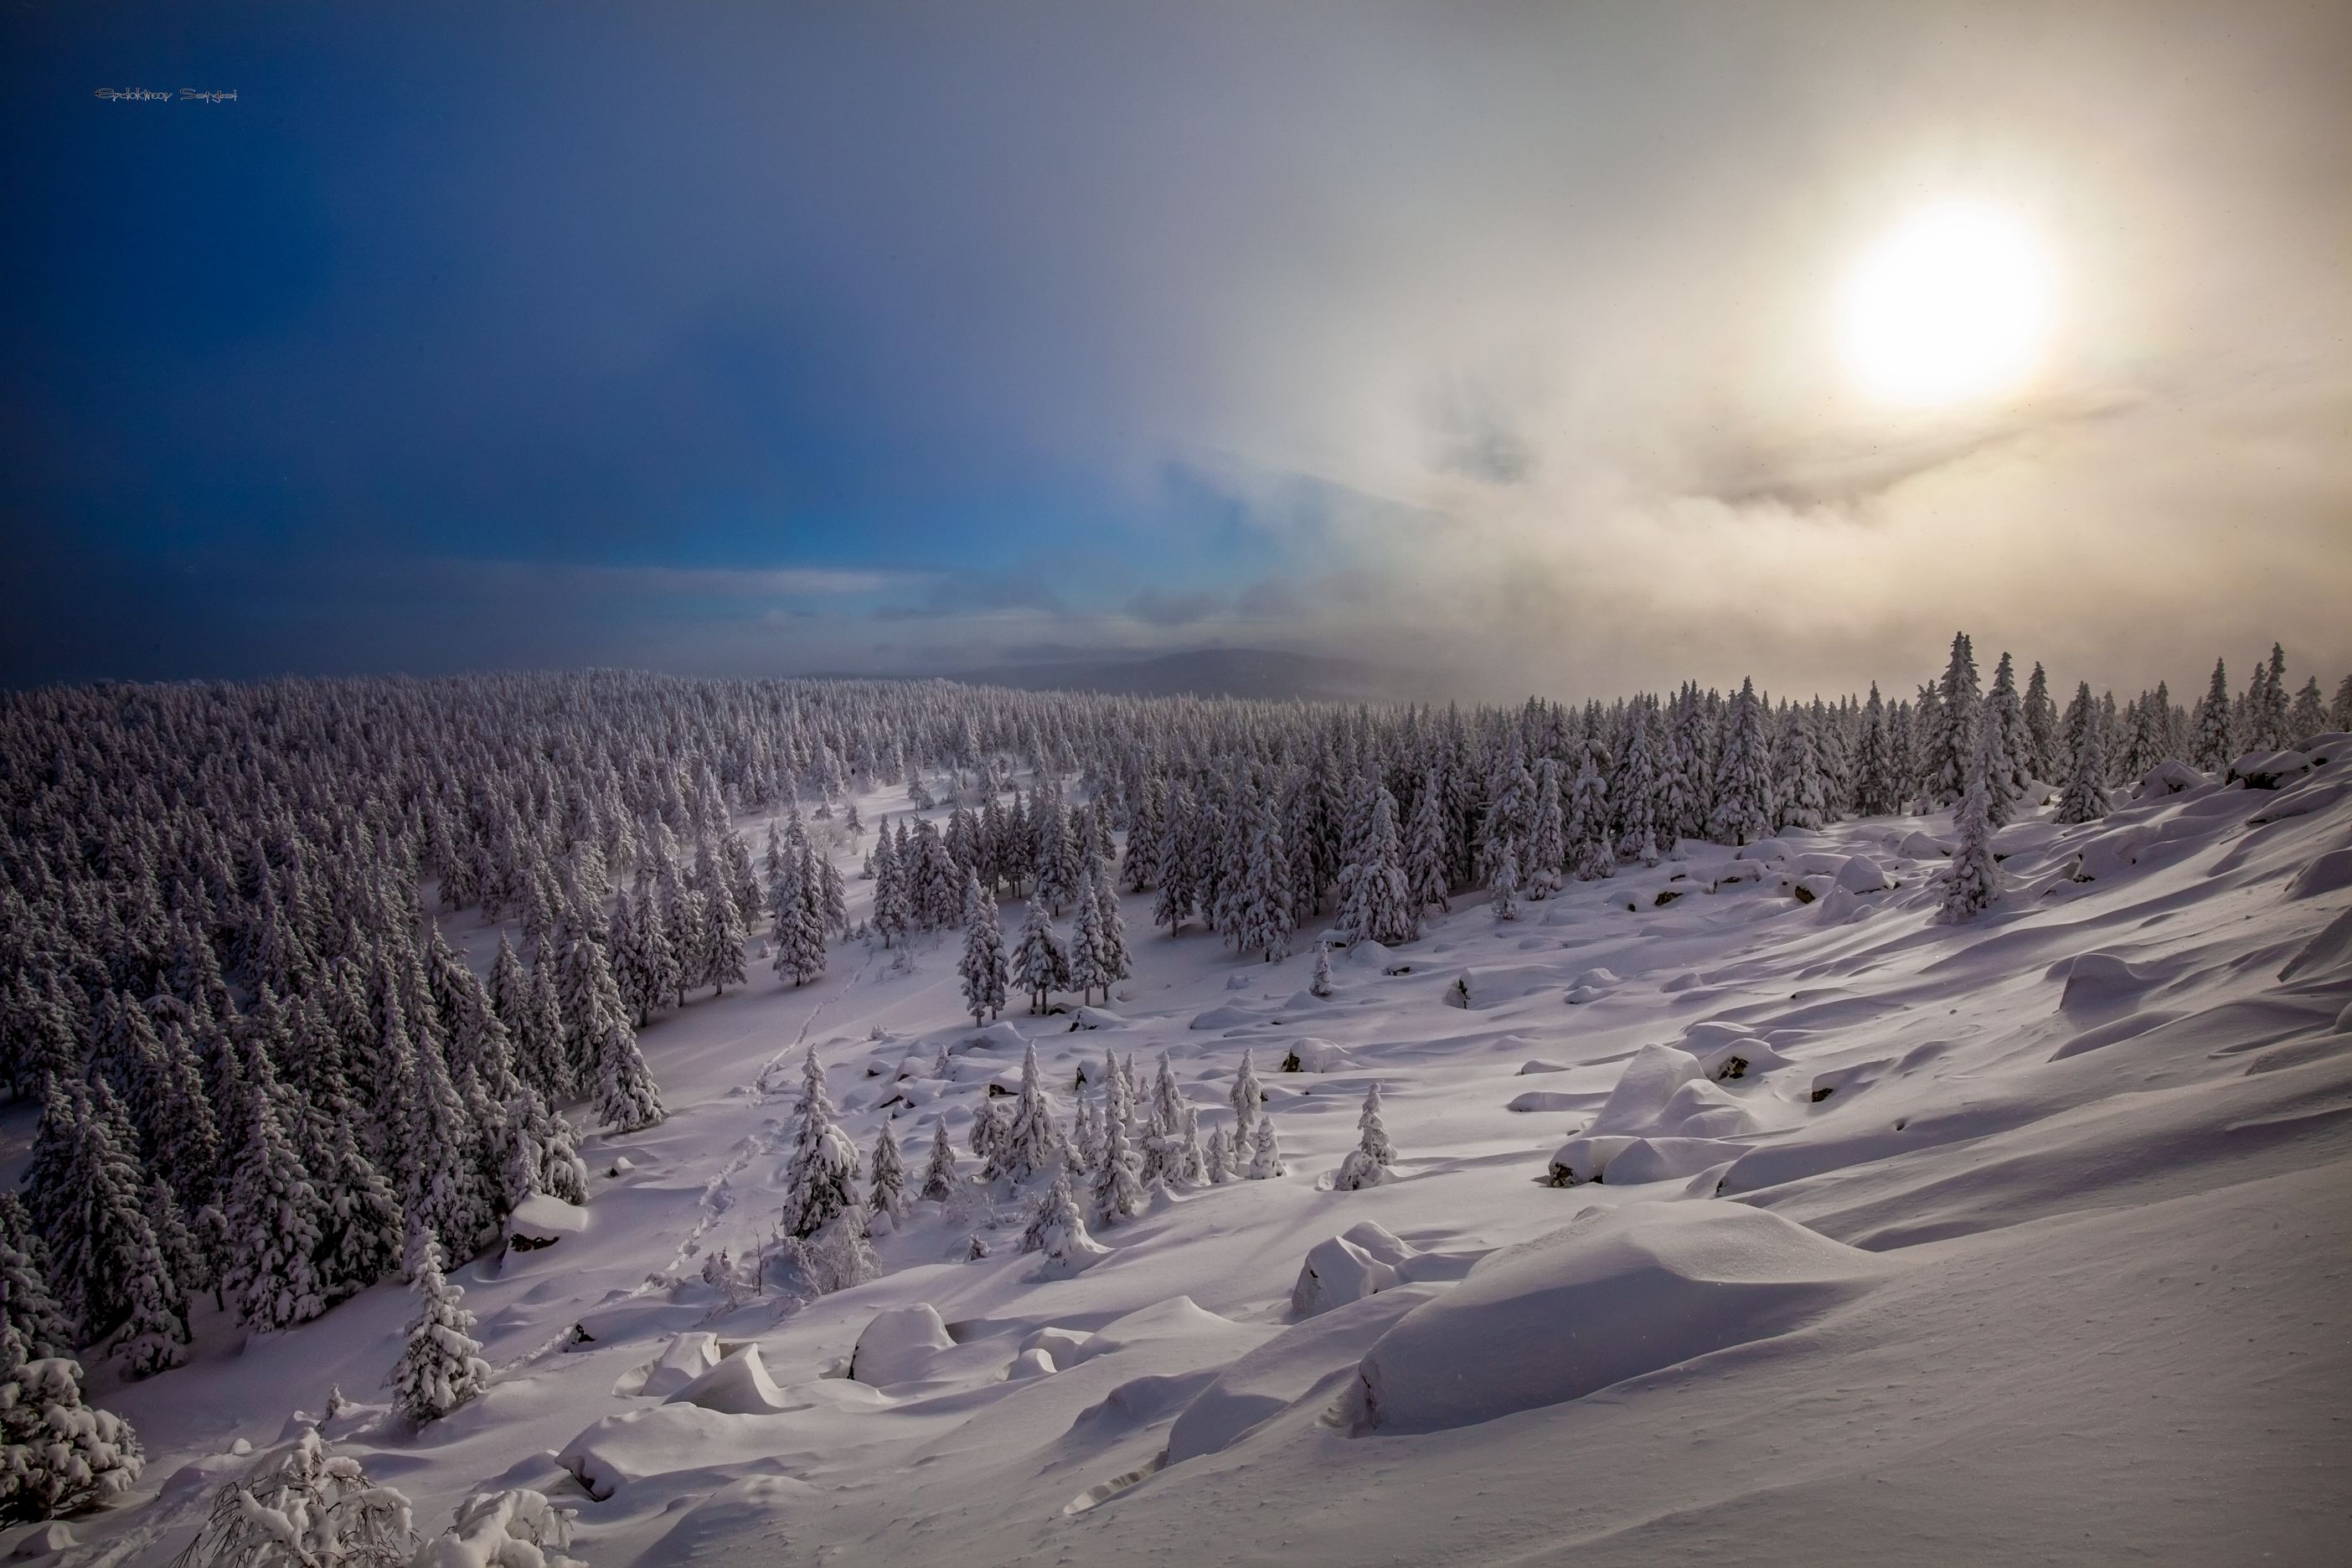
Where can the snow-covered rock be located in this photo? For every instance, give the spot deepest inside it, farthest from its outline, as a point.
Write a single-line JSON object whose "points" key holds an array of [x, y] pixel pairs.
{"points": [[1618, 1292], [541, 1221], [897, 1346], [2268, 770], [738, 1385], [1545, 1100], [687, 1357], [1361, 1261], [1861, 874], [1643, 1089]]}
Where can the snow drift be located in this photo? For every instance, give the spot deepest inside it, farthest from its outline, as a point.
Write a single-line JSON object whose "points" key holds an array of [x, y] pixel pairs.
{"points": [[1616, 1293]]}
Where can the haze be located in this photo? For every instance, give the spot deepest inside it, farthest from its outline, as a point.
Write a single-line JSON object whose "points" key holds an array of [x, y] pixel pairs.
{"points": [[1502, 341]]}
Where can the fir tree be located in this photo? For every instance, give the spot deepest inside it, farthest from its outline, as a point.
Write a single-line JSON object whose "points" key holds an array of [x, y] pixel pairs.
{"points": [[2214, 738], [1118, 1193], [2007, 764], [982, 966], [1877, 790], [821, 1175], [1320, 985], [1033, 1139], [2041, 756], [1952, 747], [440, 1366], [1039, 964], [1370, 1163], [1265, 1152], [1505, 885], [1246, 1098], [889, 1192], [1058, 1230], [1973, 881], [940, 1175], [2085, 799], [1426, 853], [275, 1212], [1376, 902], [1547, 858], [1743, 782], [58, 1455], [1089, 947], [1264, 893]]}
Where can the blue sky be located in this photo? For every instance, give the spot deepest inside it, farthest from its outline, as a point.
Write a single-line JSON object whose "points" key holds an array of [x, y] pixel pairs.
{"points": [[755, 340]]}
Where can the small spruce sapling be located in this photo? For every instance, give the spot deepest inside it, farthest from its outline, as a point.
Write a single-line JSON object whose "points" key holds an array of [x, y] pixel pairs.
{"points": [[1370, 1163]]}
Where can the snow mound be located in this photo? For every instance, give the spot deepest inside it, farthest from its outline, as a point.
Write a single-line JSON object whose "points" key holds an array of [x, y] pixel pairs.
{"points": [[1300, 1363], [1620, 1161], [540, 1220], [1314, 1055], [1227, 1016], [738, 1385], [1645, 1086], [686, 1358], [2170, 776], [1545, 1100], [2268, 770], [1598, 979], [2330, 951], [2099, 982], [1537, 1065], [1178, 1318], [1030, 1364], [1361, 1261], [1617, 1293], [1920, 846], [898, 1345], [1861, 874], [1727, 1054], [2329, 873]]}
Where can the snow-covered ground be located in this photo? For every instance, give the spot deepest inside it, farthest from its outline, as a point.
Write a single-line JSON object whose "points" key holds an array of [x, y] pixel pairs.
{"points": [[2025, 1239]]}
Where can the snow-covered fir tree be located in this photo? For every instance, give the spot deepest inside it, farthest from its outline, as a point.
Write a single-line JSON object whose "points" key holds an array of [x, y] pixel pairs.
{"points": [[1972, 880], [2085, 799], [1119, 1192], [820, 1173], [890, 1191], [1039, 964], [1321, 984], [940, 1175], [1371, 1161], [982, 965], [441, 1365], [1265, 1152], [58, 1453], [1032, 1138], [1059, 1230]]}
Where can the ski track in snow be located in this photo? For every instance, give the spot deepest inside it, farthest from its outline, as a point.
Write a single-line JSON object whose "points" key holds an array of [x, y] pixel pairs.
{"points": [[2031, 1239]]}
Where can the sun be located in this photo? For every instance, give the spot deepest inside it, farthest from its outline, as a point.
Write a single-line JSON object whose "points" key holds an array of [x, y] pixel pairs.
{"points": [[1954, 304]]}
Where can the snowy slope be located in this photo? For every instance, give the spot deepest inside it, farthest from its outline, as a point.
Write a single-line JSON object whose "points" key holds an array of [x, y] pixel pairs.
{"points": [[2055, 1266]]}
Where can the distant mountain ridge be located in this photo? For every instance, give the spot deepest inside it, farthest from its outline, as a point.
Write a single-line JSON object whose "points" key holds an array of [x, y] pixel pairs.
{"points": [[1259, 673]]}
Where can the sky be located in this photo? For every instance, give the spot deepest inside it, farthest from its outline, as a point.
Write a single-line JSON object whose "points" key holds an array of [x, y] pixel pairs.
{"points": [[1495, 341]]}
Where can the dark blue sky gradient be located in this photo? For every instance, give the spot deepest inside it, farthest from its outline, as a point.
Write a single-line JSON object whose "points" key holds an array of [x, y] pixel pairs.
{"points": [[725, 288]]}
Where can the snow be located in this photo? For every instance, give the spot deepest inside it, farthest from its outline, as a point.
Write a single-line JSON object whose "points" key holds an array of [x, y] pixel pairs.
{"points": [[1616, 1293], [897, 1346], [1359, 1262], [2053, 1267]]}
